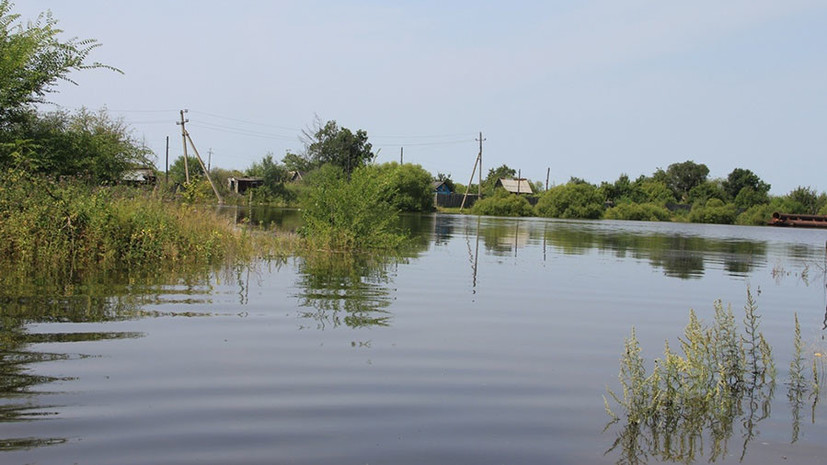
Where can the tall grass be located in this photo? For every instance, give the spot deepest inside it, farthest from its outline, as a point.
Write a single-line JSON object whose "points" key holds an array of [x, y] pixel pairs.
{"points": [[65, 228]]}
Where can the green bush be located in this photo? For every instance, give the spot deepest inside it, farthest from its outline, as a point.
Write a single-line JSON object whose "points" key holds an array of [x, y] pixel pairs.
{"points": [[503, 203], [408, 187], [342, 214], [572, 200], [638, 212], [714, 211], [756, 215]]}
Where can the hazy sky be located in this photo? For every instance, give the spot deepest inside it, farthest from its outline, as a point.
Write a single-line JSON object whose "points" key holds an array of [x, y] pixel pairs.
{"points": [[590, 89]]}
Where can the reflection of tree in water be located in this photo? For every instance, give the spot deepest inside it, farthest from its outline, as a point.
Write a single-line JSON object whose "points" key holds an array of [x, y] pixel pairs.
{"points": [[27, 300], [349, 289], [679, 256]]}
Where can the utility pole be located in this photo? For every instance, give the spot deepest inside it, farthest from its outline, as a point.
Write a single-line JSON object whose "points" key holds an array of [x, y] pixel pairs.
{"points": [[401, 155], [479, 185], [166, 166], [184, 140], [477, 162], [548, 172], [206, 171], [519, 180], [209, 158]]}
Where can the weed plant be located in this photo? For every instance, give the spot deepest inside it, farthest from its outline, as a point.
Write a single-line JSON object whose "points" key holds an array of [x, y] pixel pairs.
{"points": [[721, 375]]}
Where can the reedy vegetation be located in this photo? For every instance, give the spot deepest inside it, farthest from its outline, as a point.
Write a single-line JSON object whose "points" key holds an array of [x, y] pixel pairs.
{"points": [[721, 376]]}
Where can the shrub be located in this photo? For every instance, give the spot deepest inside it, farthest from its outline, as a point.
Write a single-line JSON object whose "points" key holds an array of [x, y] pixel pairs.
{"points": [[638, 212], [502, 203], [408, 187], [342, 214], [572, 200], [714, 211]]}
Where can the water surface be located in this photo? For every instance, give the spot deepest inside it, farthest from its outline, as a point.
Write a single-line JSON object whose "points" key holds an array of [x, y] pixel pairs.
{"points": [[492, 341]]}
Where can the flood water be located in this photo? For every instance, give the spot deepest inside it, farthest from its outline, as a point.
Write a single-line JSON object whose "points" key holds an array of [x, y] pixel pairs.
{"points": [[492, 341]]}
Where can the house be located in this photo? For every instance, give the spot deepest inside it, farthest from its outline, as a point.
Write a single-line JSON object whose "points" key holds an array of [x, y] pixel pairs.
{"points": [[515, 186], [240, 185], [295, 176], [441, 188], [139, 176]]}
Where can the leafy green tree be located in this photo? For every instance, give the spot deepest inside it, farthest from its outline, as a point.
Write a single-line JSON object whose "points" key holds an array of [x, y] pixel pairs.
{"points": [[682, 177], [85, 144], [33, 60], [330, 144], [804, 200], [651, 190], [571, 200], [748, 197], [713, 211], [407, 186], [296, 162], [705, 191], [177, 170], [741, 178]]}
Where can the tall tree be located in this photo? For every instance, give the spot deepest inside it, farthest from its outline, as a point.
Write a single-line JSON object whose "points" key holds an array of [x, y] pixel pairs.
{"points": [[682, 177], [33, 59], [337, 146], [740, 178]]}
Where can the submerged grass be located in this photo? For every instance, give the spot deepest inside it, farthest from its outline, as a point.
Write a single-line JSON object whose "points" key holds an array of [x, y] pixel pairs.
{"points": [[721, 375], [59, 229]]}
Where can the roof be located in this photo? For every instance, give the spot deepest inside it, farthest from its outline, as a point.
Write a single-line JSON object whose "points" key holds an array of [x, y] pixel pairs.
{"points": [[139, 175], [516, 186]]}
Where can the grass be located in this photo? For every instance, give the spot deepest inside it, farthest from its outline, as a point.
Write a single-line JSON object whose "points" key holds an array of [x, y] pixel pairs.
{"points": [[55, 228]]}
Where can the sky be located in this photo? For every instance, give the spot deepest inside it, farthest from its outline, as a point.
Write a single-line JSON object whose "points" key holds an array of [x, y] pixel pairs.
{"points": [[591, 89]]}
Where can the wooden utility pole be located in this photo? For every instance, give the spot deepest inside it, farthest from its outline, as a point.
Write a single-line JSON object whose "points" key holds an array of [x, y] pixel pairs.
{"points": [[479, 185], [401, 155], [477, 162], [166, 166], [519, 180], [548, 172], [209, 158], [206, 171], [184, 140]]}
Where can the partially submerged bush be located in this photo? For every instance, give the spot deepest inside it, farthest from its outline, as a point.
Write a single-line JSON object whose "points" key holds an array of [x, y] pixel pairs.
{"points": [[638, 212], [503, 203], [572, 200], [342, 214]]}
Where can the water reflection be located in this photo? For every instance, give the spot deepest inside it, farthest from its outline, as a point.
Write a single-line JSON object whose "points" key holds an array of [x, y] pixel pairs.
{"points": [[30, 300], [344, 288]]}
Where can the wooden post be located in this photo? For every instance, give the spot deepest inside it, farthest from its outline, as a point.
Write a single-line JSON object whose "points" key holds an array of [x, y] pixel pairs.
{"points": [[206, 172], [184, 140]]}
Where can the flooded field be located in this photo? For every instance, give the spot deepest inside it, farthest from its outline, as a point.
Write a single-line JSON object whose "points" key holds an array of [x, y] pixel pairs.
{"points": [[490, 341]]}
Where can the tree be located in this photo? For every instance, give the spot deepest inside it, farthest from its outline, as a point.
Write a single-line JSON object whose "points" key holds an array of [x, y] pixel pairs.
{"points": [[407, 187], [682, 177], [85, 144], [446, 178], [494, 174], [741, 178], [330, 144], [177, 171], [33, 59]]}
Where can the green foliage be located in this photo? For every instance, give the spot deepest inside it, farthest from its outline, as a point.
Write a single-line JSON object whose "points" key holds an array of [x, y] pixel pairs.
{"points": [[446, 178], [805, 200], [329, 144], [342, 214], [705, 191], [33, 60], [682, 177], [572, 200], [740, 179], [756, 215], [503, 203], [178, 170], [748, 197], [713, 211], [274, 176], [67, 228], [89, 145], [638, 212], [720, 378], [408, 186]]}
